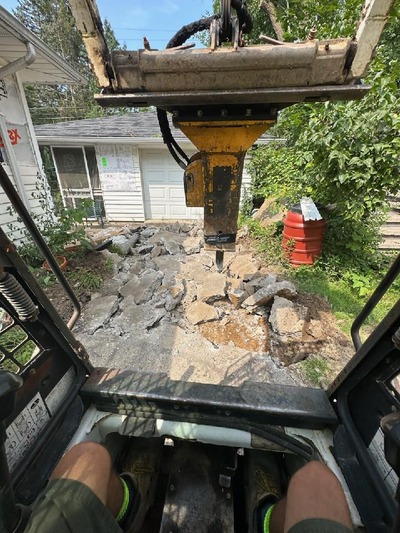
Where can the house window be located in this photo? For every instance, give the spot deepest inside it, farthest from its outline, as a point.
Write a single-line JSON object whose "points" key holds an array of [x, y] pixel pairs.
{"points": [[78, 177]]}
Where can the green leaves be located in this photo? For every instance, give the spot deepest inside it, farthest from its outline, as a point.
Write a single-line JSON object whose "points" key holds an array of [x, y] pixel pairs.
{"points": [[343, 154]]}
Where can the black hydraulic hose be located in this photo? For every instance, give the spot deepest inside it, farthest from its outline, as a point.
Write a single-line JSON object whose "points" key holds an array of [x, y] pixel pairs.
{"points": [[168, 139], [246, 25], [178, 40], [189, 30], [245, 19], [26, 218]]}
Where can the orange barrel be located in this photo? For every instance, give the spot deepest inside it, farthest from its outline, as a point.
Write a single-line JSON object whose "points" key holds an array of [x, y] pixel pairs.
{"points": [[302, 240]]}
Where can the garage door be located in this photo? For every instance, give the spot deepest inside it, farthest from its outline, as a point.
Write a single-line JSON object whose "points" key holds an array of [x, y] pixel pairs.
{"points": [[164, 196]]}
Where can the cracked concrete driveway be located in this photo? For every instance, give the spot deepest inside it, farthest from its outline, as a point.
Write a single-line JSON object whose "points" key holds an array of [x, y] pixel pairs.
{"points": [[167, 309]]}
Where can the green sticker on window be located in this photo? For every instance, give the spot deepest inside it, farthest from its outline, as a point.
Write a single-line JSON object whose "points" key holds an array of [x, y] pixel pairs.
{"points": [[104, 161]]}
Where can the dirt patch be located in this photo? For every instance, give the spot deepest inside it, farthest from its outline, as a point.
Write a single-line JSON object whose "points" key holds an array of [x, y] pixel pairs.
{"points": [[85, 273], [242, 330]]}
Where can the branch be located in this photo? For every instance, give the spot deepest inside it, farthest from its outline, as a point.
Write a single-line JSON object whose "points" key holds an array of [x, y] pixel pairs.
{"points": [[269, 8]]}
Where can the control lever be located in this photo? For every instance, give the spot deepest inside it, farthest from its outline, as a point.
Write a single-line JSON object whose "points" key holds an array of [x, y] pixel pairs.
{"points": [[11, 516], [390, 425]]}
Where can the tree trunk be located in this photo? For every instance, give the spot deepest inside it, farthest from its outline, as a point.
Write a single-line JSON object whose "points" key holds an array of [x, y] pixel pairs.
{"points": [[269, 8]]}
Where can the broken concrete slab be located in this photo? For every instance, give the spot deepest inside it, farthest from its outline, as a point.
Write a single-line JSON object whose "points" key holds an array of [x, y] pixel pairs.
{"points": [[244, 267], [193, 271], [205, 259], [171, 241], [172, 247], [200, 312], [213, 288], [149, 232], [142, 288], [258, 283], [157, 251], [237, 296], [174, 296], [270, 212], [288, 319], [235, 283], [192, 245], [266, 294], [144, 248], [137, 318], [98, 312], [171, 266], [135, 265], [124, 244]]}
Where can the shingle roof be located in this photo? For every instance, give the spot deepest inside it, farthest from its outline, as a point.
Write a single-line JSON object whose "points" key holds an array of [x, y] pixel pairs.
{"points": [[143, 124]]}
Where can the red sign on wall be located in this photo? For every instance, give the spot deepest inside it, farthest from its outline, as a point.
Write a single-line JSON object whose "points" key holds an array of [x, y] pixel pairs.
{"points": [[14, 137]]}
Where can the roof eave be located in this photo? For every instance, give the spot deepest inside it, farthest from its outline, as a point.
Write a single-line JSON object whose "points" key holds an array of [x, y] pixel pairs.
{"points": [[69, 141], [16, 28]]}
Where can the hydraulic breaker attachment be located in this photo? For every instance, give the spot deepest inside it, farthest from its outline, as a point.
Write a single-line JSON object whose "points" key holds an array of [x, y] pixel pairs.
{"points": [[213, 177]]}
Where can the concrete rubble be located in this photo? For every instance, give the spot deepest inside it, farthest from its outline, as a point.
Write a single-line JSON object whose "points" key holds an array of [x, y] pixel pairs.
{"points": [[167, 309], [266, 294]]}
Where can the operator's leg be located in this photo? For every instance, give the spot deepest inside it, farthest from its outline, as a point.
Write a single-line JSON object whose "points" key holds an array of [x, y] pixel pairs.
{"points": [[85, 494], [315, 492], [315, 503], [90, 464]]}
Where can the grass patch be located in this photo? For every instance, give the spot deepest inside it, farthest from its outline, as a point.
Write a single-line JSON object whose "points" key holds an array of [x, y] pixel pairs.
{"points": [[115, 249], [345, 302], [85, 279], [346, 287], [315, 369]]}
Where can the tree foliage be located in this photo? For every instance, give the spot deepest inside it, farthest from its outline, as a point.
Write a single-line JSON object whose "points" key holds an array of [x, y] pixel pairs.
{"points": [[52, 21], [297, 17], [344, 155]]}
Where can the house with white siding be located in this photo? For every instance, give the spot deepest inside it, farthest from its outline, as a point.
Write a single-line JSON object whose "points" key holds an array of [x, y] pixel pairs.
{"points": [[24, 59], [122, 163]]}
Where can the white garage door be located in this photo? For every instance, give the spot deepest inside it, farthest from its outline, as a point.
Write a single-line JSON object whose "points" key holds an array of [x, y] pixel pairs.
{"points": [[164, 196]]}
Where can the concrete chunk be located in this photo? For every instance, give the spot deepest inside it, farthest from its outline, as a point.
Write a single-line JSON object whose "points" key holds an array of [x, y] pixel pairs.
{"points": [[213, 288], [266, 294], [288, 319], [237, 296], [200, 312], [98, 312], [125, 244], [192, 245], [256, 284], [144, 248], [244, 267], [174, 296], [142, 288]]}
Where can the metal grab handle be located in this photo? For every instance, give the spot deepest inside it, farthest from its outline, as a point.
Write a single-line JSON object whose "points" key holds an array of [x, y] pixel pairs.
{"points": [[26, 218], [373, 301]]}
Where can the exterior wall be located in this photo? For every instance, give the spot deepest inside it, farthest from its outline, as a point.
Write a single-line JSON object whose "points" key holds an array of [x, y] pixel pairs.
{"points": [[121, 184], [14, 109], [391, 229], [122, 170]]}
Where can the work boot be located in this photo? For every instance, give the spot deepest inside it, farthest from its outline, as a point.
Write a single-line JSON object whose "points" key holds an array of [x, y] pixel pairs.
{"points": [[142, 464], [131, 503], [263, 481]]}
